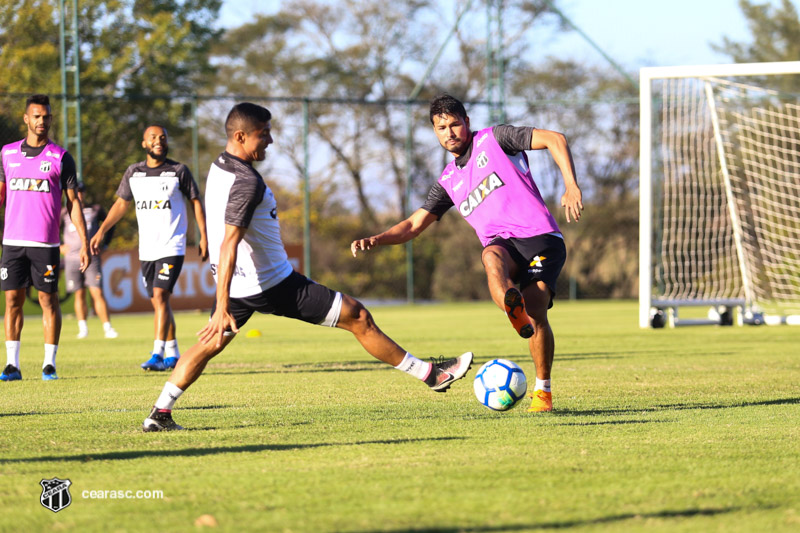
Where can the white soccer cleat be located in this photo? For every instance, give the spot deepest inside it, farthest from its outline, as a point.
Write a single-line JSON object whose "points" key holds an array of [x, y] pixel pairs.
{"points": [[83, 334], [111, 333]]}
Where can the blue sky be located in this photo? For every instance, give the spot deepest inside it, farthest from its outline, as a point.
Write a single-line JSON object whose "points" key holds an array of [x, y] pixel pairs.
{"points": [[635, 33]]}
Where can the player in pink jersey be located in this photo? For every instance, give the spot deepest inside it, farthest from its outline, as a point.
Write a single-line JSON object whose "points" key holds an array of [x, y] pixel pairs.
{"points": [[490, 183], [33, 174]]}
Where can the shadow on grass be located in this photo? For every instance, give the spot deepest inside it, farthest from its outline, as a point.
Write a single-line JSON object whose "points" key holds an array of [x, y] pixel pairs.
{"points": [[200, 452], [144, 410], [612, 422], [567, 524], [333, 366], [675, 407]]}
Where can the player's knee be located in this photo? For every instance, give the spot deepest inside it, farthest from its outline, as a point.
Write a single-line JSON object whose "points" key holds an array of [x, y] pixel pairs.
{"points": [[160, 297], [355, 315]]}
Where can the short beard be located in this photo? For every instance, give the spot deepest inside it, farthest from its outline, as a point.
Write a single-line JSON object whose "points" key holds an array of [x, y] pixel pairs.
{"points": [[158, 157]]}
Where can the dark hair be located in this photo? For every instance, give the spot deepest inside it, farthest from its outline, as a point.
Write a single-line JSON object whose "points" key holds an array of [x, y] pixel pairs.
{"points": [[246, 116], [155, 125], [38, 99], [444, 104]]}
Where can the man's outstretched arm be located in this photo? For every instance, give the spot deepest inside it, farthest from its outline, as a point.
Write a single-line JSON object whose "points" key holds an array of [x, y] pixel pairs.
{"points": [[398, 234]]}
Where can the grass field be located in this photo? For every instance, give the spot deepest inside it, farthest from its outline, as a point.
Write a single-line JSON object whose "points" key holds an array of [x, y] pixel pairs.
{"points": [[694, 429]]}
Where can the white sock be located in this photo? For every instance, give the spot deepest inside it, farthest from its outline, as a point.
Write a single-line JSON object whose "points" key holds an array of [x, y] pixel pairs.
{"points": [[158, 347], [106, 326], [82, 326], [542, 384], [50, 351], [416, 367], [169, 395], [172, 348], [12, 353]]}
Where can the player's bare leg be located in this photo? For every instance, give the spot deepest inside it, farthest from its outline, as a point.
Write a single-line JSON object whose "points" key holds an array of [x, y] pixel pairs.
{"points": [[14, 318], [188, 368], [101, 308], [500, 270], [13, 322], [163, 318], [542, 343], [81, 313], [438, 375], [51, 320], [162, 321], [356, 319]]}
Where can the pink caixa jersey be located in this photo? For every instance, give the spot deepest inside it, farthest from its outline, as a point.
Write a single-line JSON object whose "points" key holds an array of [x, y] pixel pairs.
{"points": [[496, 194], [33, 194]]}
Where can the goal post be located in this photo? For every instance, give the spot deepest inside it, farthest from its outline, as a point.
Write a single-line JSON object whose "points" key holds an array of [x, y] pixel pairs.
{"points": [[719, 192]]}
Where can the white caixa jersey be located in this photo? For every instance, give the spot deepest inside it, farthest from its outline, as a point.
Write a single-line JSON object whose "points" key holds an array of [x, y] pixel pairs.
{"points": [[158, 194], [237, 195]]}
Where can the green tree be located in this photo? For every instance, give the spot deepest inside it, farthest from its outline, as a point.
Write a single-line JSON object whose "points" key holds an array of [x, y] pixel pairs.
{"points": [[137, 60], [775, 34]]}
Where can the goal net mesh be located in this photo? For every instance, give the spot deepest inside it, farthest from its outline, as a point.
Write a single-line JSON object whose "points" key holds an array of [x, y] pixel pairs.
{"points": [[726, 193]]}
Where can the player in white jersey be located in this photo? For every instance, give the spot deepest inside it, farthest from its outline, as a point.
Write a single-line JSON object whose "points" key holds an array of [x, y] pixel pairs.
{"points": [[253, 273], [158, 187]]}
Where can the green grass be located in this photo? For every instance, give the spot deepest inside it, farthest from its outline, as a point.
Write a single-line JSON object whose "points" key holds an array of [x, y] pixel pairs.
{"points": [[694, 429]]}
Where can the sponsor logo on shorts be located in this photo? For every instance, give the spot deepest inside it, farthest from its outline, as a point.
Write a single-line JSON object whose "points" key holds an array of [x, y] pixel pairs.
{"points": [[163, 274], [50, 273], [536, 262], [3, 273]]}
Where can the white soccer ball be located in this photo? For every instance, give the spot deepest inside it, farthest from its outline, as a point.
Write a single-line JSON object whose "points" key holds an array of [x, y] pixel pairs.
{"points": [[500, 384]]}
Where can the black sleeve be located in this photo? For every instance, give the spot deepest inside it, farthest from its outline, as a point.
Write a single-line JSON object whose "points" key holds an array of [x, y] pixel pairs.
{"points": [[438, 201], [124, 189], [244, 196], [187, 184], [2, 171], [69, 172], [513, 139]]}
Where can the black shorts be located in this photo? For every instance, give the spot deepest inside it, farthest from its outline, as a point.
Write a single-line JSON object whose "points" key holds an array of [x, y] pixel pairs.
{"points": [[539, 258], [162, 273], [22, 266], [294, 297]]}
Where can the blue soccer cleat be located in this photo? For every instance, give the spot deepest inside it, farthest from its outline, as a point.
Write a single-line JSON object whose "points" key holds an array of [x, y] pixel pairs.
{"points": [[49, 373], [156, 362], [170, 362], [11, 373]]}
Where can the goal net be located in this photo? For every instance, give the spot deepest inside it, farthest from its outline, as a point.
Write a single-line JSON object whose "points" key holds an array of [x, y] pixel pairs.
{"points": [[720, 193]]}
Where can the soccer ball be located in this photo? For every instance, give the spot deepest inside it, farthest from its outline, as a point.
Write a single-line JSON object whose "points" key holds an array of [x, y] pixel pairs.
{"points": [[500, 384]]}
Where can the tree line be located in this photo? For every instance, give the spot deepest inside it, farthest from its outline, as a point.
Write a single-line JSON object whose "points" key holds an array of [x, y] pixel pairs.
{"points": [[141, 62]]}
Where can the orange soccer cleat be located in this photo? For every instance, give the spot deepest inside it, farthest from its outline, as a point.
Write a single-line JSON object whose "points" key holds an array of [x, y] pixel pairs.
{"points": [[515, 309], [542, 402]]}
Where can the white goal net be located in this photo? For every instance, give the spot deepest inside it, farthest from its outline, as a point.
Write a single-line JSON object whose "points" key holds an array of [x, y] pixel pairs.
{"points": [[720, 192]]}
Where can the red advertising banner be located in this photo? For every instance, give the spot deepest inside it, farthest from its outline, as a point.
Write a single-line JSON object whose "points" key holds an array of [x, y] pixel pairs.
{"points": [[125, 293]]}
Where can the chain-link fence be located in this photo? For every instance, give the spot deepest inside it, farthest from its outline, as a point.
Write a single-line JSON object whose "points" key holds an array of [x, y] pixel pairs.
{"points": [[344, 169]]}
